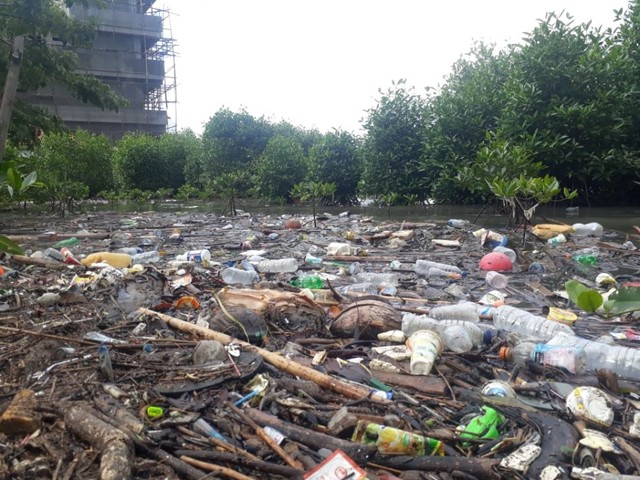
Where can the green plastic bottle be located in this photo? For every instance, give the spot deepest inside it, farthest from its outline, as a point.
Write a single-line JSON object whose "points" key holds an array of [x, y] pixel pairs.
{"points": [[586, 259], [312, 282], [67, 242], [484, 426]]}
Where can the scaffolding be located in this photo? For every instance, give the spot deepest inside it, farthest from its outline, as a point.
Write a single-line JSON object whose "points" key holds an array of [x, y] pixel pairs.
{"points": [[166, 96]]}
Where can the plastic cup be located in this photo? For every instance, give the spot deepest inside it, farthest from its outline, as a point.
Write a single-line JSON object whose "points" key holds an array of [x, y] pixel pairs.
{"points": [[425, 347], [496, 280]]}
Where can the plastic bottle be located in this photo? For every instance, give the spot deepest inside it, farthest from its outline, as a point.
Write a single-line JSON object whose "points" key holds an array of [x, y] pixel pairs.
{"points": [[425, 347], [458, 223], [496, 280], [54, 254], [393, 441], [422, 267], [364, 287], [310, 259], [459, 311], [117, 260], [237, 276], [439, 273], [461, 337], [411, 323], [312, 281], [283, 265], [202, 427], [557, 240], [490, 238], [355, 268], [198, 256], [536, 267], [67, 242], [570, 358], [584, 230], [529, 325], [508, 252], [623, 361], [380, 280], [129, 250], [145, 257]]}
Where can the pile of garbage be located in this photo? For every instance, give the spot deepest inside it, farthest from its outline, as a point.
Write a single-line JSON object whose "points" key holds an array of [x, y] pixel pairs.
{"points": [[191, 346]]}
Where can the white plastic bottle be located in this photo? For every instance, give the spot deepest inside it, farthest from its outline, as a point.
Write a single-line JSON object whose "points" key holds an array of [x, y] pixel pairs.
{"points": [[283, 265], [623, 361], [459, 223], [145, 257], [459, 311], [364, 287], [422, 267], [237, 276], [527, 324]]}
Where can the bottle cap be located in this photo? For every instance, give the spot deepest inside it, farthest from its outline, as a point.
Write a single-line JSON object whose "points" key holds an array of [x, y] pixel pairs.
{"points": [[505, 353], [487, 337]]}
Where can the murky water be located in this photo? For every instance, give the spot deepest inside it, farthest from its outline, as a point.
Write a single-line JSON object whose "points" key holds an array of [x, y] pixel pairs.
{"points": [[613, 218]]}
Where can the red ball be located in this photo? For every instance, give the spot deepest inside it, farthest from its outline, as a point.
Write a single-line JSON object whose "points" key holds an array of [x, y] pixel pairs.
{"points": [[496, 261]]}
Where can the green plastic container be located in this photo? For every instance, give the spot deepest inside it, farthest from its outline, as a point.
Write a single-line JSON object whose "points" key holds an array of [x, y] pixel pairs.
{"points": [[485, 425]]}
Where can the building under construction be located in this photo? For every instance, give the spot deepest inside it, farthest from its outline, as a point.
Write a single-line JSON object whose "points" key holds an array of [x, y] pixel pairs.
{"points": [[133, 53]]}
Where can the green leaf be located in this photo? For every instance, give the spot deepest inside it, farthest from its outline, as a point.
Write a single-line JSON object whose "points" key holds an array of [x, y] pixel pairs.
{"points": [[14, 179], [625, 300], [28, 181], [587, 299], [9, 246]]}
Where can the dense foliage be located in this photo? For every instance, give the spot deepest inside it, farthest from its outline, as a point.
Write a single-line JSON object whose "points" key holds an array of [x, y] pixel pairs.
{"points": [[534, 122]]}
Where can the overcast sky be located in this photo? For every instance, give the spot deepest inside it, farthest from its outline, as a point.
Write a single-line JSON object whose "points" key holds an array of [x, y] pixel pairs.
{"points": [[320, 64]]}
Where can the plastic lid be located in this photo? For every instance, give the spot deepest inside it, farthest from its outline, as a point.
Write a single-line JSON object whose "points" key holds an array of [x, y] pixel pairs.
{"points": [[487, 337], [505, 353]]}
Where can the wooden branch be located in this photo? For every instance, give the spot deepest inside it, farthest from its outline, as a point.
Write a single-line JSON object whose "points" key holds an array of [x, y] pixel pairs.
{"points": [[227, 472], [257, 465], [350, 390], [58, 236], [477, 467], [266, 438], [360, 453], [114, 445], [41, 262]]}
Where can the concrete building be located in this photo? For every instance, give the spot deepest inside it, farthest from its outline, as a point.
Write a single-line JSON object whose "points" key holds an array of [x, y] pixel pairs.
{"points": [[129, 53]]}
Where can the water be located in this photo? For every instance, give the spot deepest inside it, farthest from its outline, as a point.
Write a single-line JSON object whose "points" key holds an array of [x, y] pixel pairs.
{"points": [[611, 218]]}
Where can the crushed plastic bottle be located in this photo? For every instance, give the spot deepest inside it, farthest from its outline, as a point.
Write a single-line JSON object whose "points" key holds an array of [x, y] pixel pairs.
{"points": [[459, 311], [484, 425], [145, 257], [422, 267], [459, 223], [67, 242], [584, 230], [557, 240], [283, 265], [237, 276], [311, 281]]}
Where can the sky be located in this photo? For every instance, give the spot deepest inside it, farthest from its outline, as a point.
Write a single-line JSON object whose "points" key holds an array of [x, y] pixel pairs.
{"points": [[321, 64]]}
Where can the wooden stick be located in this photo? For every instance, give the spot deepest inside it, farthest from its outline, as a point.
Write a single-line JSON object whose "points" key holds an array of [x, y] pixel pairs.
{"points": [[48, 335], [58, 236], [350, 390], [267, 439], [215, 468], [41, 262]]}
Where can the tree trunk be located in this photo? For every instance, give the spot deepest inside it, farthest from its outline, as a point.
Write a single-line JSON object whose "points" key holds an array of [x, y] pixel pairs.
{"points": [[10, 89]]}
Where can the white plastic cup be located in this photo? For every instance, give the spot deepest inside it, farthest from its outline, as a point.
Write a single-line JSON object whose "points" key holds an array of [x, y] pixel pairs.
{"points": [[425, 347], [496, 280]]}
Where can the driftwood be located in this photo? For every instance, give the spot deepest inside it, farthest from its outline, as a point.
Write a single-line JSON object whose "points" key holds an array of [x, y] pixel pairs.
{"points": [[58, 236], [358, 452], [41, 262], [114, 445], [365, 320], [227, 472], [325, 381], [477, 467]]}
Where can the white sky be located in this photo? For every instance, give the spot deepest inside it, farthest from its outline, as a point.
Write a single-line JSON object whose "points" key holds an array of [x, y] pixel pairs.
{"points": [[320, 64]]}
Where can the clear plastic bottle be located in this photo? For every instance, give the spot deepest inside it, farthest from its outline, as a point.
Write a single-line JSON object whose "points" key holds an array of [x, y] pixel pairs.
{"points": [[145, 257], [129, 250], [570, 358], [496, 280], [457, 339], [459, 311], [282, 265], [557, 240], [508, 252], [584, 230], [364, 287], [623, 361], [237, 276], [422, 267], [54, 254], [474, 335], [439, 273], [411, 323], [380, 280], [527, 324], [459, 223]]}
